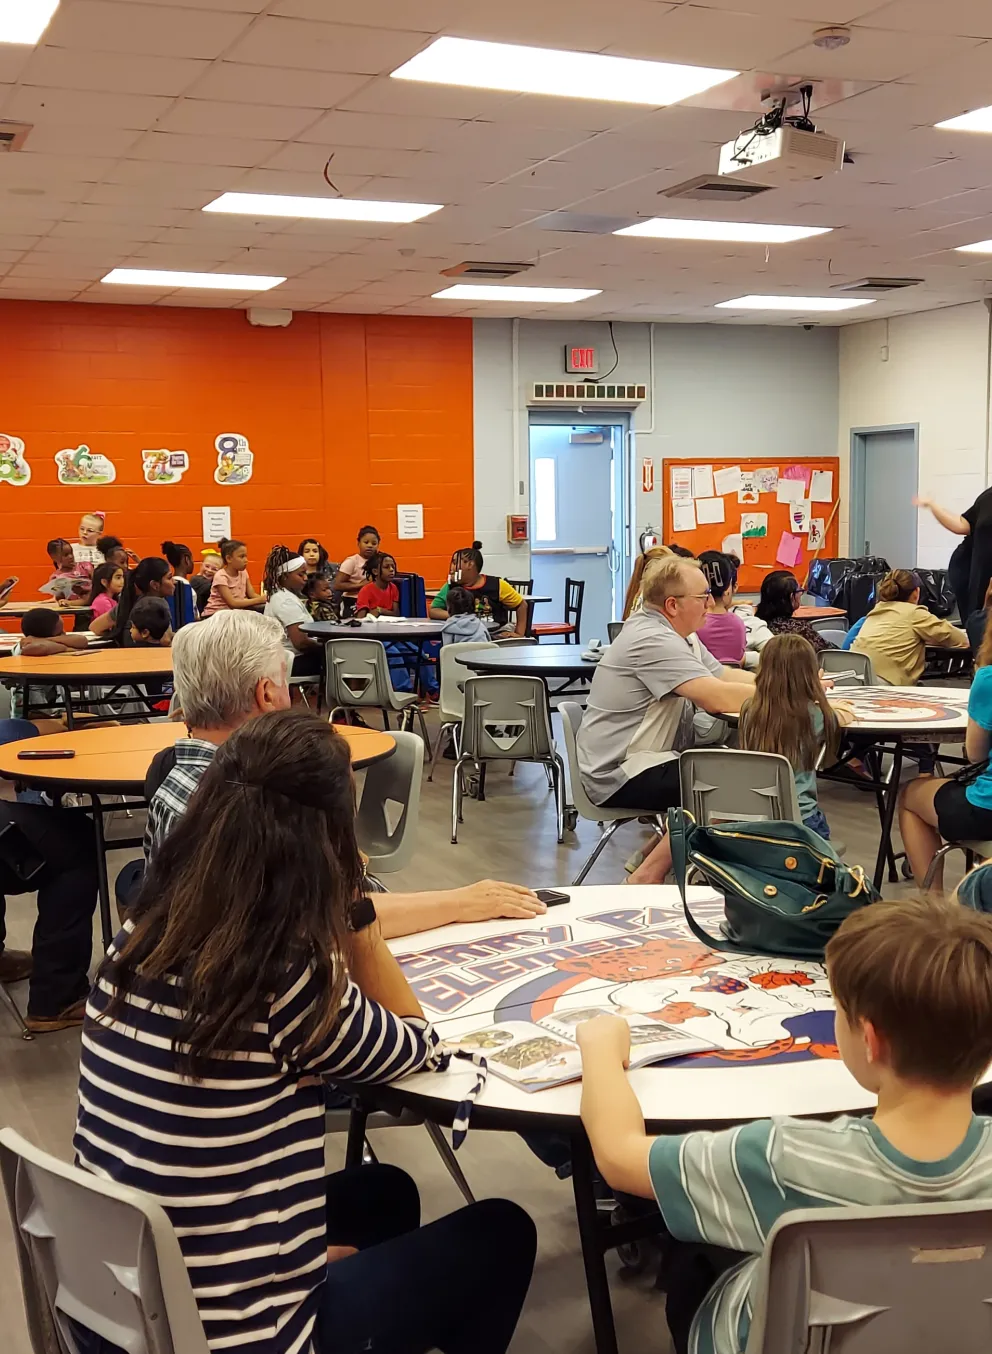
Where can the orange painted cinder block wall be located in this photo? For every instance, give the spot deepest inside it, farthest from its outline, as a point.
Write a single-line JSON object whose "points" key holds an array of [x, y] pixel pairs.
{"points": [[347, 416]]}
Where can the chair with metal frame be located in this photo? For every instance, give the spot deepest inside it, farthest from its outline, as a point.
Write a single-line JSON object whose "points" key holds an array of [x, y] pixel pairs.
{"points": [[386, 821], [847, 668], [973, 850], [451, 702], [735, 785], [571, 626], [613, 629], [506, 719], [357, 678], [357, 1121]]}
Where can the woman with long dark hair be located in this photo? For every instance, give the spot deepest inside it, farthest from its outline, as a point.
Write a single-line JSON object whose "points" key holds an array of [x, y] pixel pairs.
{"points": [[151, 577], [779, 600], [252, 969]]}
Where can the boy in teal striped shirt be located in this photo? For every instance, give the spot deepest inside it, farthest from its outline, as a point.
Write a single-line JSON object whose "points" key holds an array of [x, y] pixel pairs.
{"points": [[912, 982]]}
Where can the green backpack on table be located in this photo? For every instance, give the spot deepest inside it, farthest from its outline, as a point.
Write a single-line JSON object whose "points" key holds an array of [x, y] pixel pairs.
{"points": [[785, 889]]}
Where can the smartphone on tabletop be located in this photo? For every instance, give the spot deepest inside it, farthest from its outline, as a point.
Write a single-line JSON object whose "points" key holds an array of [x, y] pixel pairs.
{"points": [[551, 898], [47, 755]]}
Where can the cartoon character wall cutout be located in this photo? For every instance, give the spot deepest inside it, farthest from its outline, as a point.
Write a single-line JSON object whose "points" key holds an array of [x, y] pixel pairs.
{"points": [[235, 459], [164, 466], [79, 465], [14, 468]]}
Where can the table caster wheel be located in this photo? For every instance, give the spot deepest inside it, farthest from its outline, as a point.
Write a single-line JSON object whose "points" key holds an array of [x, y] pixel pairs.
{"points": [[571, 819], [472, 787], [634, 1256]]}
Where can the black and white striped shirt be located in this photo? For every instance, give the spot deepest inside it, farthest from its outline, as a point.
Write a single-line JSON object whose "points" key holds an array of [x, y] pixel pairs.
{"points": [[236, 1159]]}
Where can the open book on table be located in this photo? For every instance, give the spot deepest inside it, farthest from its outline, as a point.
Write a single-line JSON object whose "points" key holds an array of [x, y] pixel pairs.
{"points": [[540, 1054]]}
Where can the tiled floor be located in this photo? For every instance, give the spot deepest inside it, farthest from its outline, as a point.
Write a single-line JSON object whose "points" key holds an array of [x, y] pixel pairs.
{"points": [[511, 835]]}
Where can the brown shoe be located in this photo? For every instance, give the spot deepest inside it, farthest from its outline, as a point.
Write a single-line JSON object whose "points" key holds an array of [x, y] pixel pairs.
{"points": [[68, 1019], [15, 966]]}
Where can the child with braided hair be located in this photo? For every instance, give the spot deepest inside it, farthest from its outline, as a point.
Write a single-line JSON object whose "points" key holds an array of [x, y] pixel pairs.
{"points": [[285, 579]]}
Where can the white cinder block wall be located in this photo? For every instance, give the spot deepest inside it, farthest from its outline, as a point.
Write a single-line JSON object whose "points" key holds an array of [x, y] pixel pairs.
{"points": [[719, 391], [934, 373]]}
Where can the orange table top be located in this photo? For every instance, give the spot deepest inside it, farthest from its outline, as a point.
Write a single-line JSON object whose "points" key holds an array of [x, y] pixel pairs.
{"points": [[818, 613], [91, 665], [116, 760]]}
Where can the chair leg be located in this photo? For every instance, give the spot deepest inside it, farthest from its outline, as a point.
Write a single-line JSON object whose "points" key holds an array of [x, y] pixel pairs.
{"points": [[423, 728], [447, 1155], [442, 736], [550, 775], [456, 801], [607, 834], [935, 864], [14, 1009], [557, 772]]}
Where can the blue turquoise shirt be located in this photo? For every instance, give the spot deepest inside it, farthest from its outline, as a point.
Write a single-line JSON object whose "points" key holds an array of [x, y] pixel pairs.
{"points": [[979, 792]]}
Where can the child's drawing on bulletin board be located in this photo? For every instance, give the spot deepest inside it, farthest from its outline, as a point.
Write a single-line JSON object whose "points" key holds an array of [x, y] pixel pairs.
{"points": [[771, 516]]}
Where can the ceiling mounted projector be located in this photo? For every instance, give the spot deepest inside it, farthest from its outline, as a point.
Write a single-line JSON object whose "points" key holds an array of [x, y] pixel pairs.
{"points": [[786, 155]]}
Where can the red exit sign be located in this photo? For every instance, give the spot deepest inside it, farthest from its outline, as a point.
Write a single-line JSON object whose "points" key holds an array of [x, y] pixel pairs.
{"points": [[580, 361]]}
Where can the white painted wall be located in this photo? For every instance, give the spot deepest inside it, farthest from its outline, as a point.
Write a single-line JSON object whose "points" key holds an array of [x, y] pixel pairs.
{"points": [[931, 369], [718, 390]]}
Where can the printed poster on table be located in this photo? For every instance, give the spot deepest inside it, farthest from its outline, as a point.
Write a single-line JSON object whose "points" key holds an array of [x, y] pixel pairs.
{"points": [[14, 468], [235, 459], [164, 466], [79, 465]]}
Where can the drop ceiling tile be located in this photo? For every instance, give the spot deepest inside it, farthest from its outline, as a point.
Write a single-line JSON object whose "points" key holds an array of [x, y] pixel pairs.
{"points": [[71, 139], [226, 6], [89, 108], [372, 129], [272, 178], [402, 98], [578, 25], [207, 117], [968, 18], [160, 175], [723, 38], [275, 41], [229, 80], [62, 68], [877, 54], [202, 150], [13, 62], [817, 12], [428, 15], [144, 29]]}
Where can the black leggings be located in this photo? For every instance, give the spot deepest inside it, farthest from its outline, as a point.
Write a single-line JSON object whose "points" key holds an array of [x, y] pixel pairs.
{"points": [[457, 1284]]}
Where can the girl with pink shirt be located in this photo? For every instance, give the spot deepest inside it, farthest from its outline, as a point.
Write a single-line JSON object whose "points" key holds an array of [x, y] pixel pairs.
{"points": [[231, 588]]}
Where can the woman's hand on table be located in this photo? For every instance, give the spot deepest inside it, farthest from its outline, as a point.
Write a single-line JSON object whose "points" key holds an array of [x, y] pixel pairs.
{"points": [[490, 898], [605, 1036]]}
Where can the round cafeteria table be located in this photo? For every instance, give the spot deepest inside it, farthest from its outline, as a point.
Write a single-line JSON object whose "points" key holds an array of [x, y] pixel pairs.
{"points": [[555, 661], [416, 629], [115, 761], [609, 947], [115, 668], [16, 611]]}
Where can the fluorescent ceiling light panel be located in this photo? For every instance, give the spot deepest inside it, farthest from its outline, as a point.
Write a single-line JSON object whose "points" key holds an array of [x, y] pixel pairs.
{"points": [[24, 21], [545, 70], [467, 291], [321, 208], [163, 279], [978, 120], [671, 228], [799, 304], [979, 247]]}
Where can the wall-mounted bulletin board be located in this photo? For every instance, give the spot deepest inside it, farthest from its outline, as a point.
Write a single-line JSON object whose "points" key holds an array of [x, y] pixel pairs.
{"points": [[771, 515]]}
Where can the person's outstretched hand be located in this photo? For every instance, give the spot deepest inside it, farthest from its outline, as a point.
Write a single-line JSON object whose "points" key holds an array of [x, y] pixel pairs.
{"points": [[920, 501], [490, 898], [609, 1034]]}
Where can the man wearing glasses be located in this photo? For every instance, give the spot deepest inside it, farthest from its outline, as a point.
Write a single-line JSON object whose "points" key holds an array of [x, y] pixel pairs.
{"points": [[645, 691]]}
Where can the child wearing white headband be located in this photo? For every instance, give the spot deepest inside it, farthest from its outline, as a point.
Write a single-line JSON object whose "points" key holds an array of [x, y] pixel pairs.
{"points": [[285, 579]]}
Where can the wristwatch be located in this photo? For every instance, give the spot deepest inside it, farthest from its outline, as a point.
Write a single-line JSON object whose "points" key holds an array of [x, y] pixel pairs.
{"points": [[362, 914]]}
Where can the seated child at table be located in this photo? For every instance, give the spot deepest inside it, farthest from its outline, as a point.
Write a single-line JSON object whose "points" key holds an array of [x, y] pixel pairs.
{"points": [[380, 596], [108, 581], [463, 626], [114, 551], [320, 599], [68, 580], [231, 589], [912, 983], [351, 575], [151, 623], [722, 632], [42, 633], [210, 562], [87, 550]]}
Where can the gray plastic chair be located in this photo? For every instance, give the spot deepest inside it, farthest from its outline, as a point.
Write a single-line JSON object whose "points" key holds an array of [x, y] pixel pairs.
{"points": [[582, 805], [731, 785], [909, 1278], [848, 668], [613, 629], [971, 849], [358, 679], [98, 1252], [386, 823], [451, 703], [506, 720]]}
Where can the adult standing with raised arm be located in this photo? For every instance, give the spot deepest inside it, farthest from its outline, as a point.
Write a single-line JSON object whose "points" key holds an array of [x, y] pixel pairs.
{"points": [[970, 566]]}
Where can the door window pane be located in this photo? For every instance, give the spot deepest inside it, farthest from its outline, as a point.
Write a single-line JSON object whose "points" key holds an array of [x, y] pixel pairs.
{"points": [[545, 505]]}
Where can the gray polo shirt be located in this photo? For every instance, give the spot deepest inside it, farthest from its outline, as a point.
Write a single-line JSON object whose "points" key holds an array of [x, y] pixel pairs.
{"points": [[634, 719]]}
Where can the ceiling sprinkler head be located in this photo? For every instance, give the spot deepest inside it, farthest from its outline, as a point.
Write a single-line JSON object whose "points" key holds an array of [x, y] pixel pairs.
{"points": [[831, 38]]}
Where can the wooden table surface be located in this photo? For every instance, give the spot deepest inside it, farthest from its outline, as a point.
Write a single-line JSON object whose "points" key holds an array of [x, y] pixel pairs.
{"points": [[90, 665]]}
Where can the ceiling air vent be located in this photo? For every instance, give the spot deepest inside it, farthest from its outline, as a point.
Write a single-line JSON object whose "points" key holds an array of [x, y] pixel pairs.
{"points": [[485, 272], [13, 135], [587, 392], [880, 284], [583, 223], [714, 188]]}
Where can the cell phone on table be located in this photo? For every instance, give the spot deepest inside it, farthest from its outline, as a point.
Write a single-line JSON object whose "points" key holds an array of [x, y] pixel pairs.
{"points": [[551, 898], [47, 755]]}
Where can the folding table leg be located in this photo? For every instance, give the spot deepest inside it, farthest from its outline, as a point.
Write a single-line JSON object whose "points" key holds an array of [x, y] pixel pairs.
{"points": [[103, 882], [597, 1282]]}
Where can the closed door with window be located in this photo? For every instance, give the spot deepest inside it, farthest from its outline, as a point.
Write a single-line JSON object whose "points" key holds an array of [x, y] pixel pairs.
{"points": [[572, 502], [890, 470]]}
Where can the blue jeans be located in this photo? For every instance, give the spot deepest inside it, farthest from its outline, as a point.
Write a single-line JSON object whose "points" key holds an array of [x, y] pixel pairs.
{"points": [[817, 823], [13, 731]]}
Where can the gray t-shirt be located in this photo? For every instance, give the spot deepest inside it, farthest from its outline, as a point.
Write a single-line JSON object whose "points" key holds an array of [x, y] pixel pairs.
{"points": [[634, 719], [288, 610]]}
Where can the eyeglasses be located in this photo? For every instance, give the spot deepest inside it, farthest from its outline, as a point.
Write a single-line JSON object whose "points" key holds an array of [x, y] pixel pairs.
{"points": [[695, 596]]}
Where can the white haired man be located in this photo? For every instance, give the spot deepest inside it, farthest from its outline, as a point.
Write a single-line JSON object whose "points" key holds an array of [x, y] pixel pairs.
{"points": [[229, 669]]}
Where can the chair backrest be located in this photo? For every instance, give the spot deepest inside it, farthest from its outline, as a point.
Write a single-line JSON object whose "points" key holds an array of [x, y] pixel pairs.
{"points": [[574, 591], [97, 1252], [613, 629], [875, 1280], [847, 668], [451, 704], [524, 585], [357, 673], [386, 823], [571, 719], [507, 719], [413, 595], [731, 785]]}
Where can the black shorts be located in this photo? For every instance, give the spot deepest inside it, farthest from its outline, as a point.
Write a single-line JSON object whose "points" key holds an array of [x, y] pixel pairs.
{"points": [[653, 790], [958, 820], [307, 664]]}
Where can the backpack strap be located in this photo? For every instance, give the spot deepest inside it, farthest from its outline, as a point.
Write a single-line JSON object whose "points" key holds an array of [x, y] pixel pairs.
{"points": [[678, 823]]}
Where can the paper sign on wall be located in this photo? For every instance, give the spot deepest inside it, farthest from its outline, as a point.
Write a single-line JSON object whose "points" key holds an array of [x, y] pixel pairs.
{"points": [[821, 489], [164, 466], [79, 465], [766, 479], [14, 468], [799, 516], [754, 525], [681, 483], [684, 516], [733, 545], [817, 533], [790, 549], [409, 521], [802, 473], [235, 459], [702, 481], [790, 491], [216, 525], [748, 491], [728, 480], [709, 510]]}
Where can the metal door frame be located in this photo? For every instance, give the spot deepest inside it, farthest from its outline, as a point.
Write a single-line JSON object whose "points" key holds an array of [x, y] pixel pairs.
{"points": [[622, 477], [856, 478]]}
